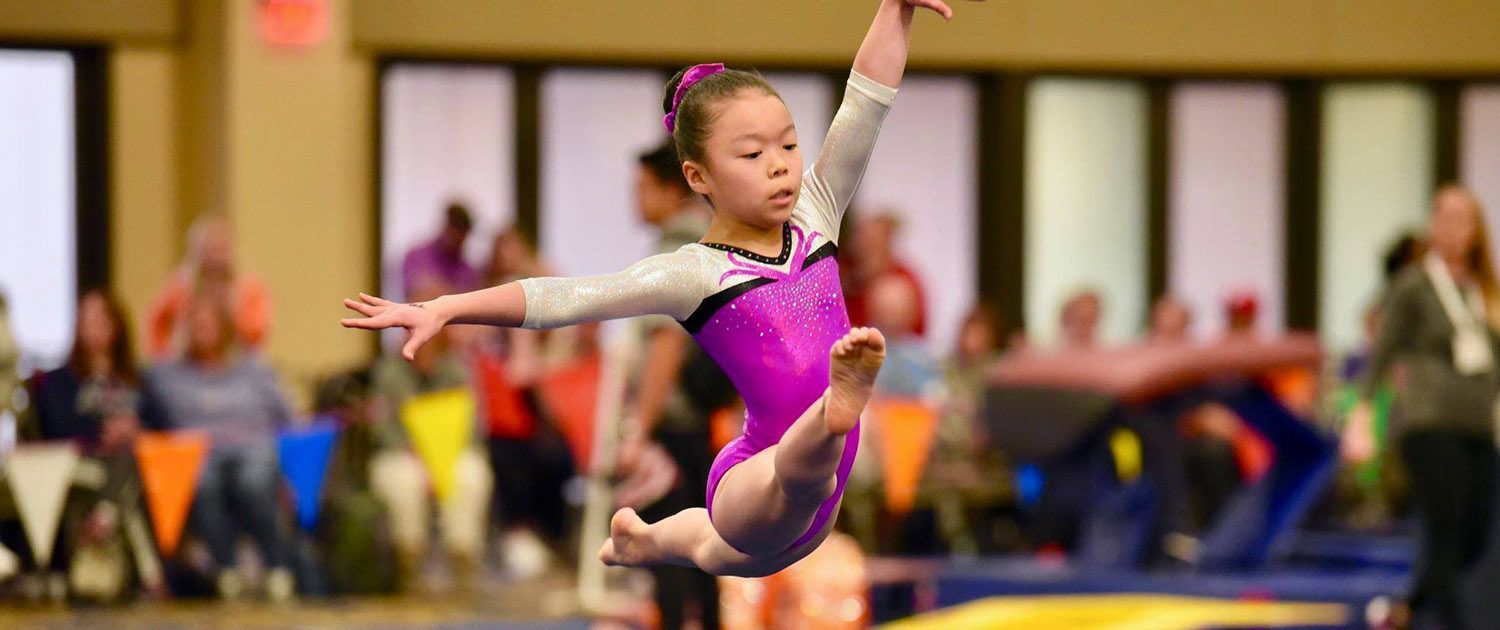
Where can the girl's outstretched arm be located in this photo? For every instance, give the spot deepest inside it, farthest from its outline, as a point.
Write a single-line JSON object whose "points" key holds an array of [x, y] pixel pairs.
{"points": [[882, 56], [504, 305], [666, 284]]}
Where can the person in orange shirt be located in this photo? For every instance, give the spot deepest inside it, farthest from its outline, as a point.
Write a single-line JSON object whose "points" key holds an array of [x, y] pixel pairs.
{"points": [[209, 266]]}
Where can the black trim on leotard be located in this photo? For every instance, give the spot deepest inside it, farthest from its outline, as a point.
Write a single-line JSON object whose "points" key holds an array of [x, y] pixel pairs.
{"points": [[717, 300], [713, 303], [828, 249], [786, 248]]}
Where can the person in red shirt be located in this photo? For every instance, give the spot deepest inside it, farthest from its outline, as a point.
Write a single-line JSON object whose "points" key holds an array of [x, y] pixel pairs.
{"points": [[872, 256]]}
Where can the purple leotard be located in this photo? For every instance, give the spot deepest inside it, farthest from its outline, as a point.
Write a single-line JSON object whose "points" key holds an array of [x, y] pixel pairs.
{"points": [[768, 322], [772, 336]]}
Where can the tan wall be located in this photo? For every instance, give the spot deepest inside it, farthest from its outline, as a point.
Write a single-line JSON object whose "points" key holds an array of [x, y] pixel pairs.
{"points": [[1449, 36], [88, 21], [278, 139], [143, 184], [298, 141]]}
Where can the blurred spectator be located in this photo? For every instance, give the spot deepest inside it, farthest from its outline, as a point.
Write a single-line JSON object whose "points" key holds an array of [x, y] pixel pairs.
{"points": [[10, 357], [1017, 340], [441, 260], [529, 458], [673, 434], [236, 400], [1171, 321], [1402, 253], [357, 553], [1440, 320], [910, 373], [1079, 318], [910, 368], [1221, 451], [511, 258], [1357, 361], [94, 401], [966, 472], [1405, 251], [1242, 312], [209, 267], [397, 475], [871, 256], [95, 398]]}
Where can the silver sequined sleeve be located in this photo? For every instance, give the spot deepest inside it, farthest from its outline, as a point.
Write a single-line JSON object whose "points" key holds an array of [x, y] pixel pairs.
{"points": [[670, 284], [830, 185]]}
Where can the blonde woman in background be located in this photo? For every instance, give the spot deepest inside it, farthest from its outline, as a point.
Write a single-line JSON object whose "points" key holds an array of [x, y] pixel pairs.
{"points": [[208, 267], [1440, 321]]}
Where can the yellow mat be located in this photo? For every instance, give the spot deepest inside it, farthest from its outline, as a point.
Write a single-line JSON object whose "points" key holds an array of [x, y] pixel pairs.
{"points": [[1124, 612]]}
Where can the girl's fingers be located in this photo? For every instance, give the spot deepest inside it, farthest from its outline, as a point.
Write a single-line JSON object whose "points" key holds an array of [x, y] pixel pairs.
{"points": [[366, 323], [377, 301], [417, 338], [361, 308], [380, 321]]}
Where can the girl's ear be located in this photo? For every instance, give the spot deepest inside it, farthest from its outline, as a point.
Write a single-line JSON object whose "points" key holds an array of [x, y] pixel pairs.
{"points": [[697, 177]]}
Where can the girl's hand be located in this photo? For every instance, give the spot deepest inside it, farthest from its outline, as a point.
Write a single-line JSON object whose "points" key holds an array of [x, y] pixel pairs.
{"points": [[421, 321], [1358, 444]]}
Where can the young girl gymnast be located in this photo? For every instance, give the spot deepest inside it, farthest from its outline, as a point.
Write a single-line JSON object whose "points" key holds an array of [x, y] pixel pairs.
{"points": [[760, 294]]}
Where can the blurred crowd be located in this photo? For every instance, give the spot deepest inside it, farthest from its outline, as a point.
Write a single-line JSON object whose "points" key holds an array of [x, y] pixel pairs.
{"points": [[515, 497]]}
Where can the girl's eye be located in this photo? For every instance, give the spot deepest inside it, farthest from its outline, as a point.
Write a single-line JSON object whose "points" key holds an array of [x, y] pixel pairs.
{"points": [[751, 156], [791, 147]]}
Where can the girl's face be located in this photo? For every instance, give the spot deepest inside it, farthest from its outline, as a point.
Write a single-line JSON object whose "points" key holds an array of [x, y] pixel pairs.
{"points": [[1454, 223], [754, 169]]}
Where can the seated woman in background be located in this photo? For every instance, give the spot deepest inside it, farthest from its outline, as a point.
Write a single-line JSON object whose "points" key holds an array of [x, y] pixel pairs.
{"points": [[94, 401], [968, 477], [235, 399]]}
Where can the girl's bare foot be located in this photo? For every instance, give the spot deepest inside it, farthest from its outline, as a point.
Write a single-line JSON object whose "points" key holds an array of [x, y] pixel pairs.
{"points": [[627, 545], [855, 361]]}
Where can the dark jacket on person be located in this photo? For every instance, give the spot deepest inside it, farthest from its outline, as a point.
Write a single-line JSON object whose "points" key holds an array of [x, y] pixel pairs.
{"points": [[73, 408], [1415, 332]]}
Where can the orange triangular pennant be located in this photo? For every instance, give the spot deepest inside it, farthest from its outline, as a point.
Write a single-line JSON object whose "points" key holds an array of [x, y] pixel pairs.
{"points": [[905, 429], [169, 464]]}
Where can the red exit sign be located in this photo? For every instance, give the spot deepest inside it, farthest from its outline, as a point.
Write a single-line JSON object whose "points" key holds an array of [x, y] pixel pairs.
{"points": [[294, 23]]}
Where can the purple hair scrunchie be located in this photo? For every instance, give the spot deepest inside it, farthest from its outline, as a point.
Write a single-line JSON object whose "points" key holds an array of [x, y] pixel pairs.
{"points": [[693, 75]]}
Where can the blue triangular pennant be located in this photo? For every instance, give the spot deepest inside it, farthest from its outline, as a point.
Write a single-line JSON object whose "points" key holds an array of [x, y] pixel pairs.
{"points": [[304, 460]]}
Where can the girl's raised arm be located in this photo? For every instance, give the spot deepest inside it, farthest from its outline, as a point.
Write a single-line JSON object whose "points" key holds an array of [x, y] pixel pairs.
{"points": [[882, 56], [872, 89]]}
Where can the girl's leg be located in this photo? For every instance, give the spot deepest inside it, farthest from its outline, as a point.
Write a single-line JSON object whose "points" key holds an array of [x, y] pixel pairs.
{"points": [[688, 539], [765, 503]]}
